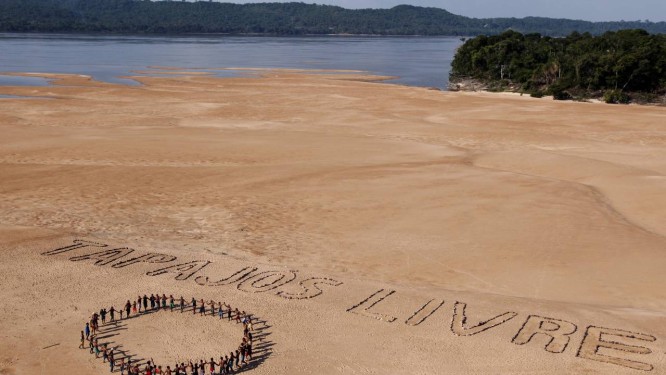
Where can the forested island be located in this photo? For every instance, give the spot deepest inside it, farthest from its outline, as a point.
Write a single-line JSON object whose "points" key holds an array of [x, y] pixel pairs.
{"points": [[178, 17], [618, 67]]}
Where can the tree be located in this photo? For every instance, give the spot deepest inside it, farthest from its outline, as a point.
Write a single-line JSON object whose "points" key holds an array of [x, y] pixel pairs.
{"points": [[618, 63]]}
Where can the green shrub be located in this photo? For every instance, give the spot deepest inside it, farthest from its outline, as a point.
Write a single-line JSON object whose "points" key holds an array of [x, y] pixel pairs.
{"points": [[561, 95], [644, 98], [616, 97]]}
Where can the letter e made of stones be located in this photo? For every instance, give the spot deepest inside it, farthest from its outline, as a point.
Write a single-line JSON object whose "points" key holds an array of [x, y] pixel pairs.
{"points": [[614, 345]]}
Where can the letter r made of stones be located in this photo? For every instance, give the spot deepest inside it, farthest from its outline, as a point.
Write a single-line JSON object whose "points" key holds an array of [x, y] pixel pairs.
{"points": [[555, 330]]}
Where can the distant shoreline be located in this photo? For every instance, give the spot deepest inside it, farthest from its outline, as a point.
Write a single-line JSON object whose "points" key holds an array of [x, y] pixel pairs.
{"points": [[227, 34], [278, 19]]}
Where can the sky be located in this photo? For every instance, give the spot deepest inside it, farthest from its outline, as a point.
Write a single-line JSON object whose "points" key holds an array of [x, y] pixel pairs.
{"points": [[590, 10]]}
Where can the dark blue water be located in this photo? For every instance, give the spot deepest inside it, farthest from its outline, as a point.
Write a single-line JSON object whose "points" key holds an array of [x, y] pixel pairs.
{"points": [[418, 61]]}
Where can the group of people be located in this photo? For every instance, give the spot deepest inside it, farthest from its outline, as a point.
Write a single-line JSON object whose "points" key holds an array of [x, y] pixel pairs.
{"points": [[227, 364]]}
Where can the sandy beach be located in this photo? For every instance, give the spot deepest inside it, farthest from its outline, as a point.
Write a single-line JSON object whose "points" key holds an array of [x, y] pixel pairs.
{"points": [[372, 228]]}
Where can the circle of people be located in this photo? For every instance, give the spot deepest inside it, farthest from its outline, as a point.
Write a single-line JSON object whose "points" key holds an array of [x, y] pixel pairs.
{"points": [[227, 364]]}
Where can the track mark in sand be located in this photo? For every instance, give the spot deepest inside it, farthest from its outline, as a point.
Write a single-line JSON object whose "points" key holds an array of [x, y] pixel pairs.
{"points": [[542, 275], [499, 288], [599, 196], [30, 160], [473, 276], [608, 204]]}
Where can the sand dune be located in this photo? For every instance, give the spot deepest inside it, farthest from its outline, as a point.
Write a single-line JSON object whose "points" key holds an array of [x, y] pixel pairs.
{"points": [[389, 222]]}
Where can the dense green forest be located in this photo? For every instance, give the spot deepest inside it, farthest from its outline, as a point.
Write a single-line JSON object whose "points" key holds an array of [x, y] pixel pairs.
{"points": [[133, 16], [616, 66]]}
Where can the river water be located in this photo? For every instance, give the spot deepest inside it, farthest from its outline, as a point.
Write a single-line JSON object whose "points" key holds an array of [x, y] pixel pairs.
{"points": [[417, 61]]}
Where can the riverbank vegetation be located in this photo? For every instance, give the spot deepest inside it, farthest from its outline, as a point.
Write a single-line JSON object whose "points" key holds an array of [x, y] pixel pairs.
{"points": [[618, 67], [178, 17]]}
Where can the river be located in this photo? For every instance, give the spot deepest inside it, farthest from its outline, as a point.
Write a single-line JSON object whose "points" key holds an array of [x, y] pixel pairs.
{"points": [[417, 61]]}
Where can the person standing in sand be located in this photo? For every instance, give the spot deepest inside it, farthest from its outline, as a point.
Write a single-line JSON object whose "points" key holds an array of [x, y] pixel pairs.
{"points": [[230, 364], [240, 352], [128, 306], [202, 308], [182, 304], [152, 301], [87, 330], [171, 302], [248, 349], [112, 361]]}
